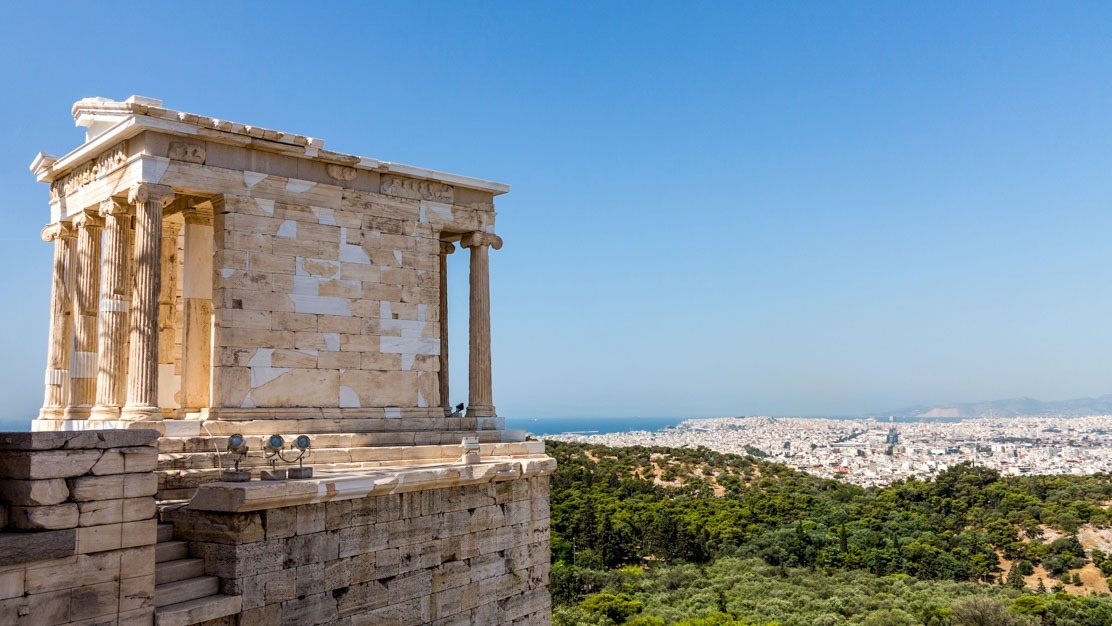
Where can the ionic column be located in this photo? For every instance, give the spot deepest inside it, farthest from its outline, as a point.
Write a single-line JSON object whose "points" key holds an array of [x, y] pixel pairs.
{"points": [[479, 402], [142, 378], [115, 302], [446, 248], [196, 358], [61, 323], [83, 366]]}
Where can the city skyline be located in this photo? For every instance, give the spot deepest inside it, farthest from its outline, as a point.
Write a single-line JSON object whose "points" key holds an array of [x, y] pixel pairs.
{"points": [[789, 210]]}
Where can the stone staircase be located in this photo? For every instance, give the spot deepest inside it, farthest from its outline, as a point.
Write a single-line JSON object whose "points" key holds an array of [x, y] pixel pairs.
{"points": [[183, 595]]}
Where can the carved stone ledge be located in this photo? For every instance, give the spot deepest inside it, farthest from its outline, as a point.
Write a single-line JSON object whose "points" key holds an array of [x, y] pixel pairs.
{"points": [[341, 173], [187, 151], [416, 189]]}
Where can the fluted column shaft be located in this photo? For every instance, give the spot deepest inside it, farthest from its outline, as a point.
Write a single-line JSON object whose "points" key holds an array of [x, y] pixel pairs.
{"points": [[83, 364], [479, 401], [115, 303], [446, 248], [196, 357], [61, 323], [142, 379]]}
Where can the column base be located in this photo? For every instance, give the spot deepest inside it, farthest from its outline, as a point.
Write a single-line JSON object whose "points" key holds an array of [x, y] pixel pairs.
{"points": [[76, 412], [51, 413], [133, 413], [480, 410], [103, 412]]}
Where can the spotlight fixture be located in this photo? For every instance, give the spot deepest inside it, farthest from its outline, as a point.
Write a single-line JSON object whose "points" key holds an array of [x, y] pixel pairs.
{"points": [[272, 449], [301, 443], [237, 447]]}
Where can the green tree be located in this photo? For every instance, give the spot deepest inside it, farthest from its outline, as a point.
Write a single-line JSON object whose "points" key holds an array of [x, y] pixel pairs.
{"points": [[618, 607]]}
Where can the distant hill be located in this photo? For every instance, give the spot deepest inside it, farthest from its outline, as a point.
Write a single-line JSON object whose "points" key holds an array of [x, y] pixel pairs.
{"points": [[1012, 407]]}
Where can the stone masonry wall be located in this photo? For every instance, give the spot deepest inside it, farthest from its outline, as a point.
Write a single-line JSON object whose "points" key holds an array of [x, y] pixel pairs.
{"points": [[328, 306], [476, 554], [77, 527]]}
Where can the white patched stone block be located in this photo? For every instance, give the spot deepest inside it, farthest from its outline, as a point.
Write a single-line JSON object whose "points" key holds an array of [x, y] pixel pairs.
{"points": [[409, 345], [321, 305]]}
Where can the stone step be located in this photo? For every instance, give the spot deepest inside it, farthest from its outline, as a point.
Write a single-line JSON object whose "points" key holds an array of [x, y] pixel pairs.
{"points": [[171, 551], [181, 569], [197, 611], [185, 590], [165, 533], [343, 441]]}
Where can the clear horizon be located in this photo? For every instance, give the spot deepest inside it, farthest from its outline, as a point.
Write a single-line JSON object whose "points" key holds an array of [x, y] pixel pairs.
{"points": [[802, 209]]}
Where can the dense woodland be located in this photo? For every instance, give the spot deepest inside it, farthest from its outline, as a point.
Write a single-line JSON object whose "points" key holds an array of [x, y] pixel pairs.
{"points": [[694, 537]]}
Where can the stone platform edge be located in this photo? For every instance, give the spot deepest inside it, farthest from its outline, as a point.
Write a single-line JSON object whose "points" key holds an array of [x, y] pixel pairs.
{"points": [[351, 485]]}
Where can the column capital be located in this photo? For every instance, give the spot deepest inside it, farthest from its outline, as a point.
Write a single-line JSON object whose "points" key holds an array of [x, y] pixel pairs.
{"points": [[115, 208], [447, 247], [476, 239], [197, 214], [57, 230], [88, 219], [150, 192]]}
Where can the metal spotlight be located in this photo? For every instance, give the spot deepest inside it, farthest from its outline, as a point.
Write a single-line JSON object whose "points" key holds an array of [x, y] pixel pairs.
{"points": [[273, 444], [237, 444], [302, 445], [237, 447], [272, 448]]}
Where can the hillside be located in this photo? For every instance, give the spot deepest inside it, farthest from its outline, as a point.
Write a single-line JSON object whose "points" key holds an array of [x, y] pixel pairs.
{"points": [[1012, 407], [625, 517]]}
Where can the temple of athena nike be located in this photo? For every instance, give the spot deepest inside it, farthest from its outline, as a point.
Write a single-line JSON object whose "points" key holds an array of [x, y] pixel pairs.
{"points": [[213, 279]]}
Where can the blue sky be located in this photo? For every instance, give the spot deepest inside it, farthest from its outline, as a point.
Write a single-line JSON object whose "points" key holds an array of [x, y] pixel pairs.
{"points": [[717, 208]]}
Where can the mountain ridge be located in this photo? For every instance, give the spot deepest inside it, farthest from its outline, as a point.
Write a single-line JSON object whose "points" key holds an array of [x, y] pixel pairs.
{"points": [[1010, 407]]}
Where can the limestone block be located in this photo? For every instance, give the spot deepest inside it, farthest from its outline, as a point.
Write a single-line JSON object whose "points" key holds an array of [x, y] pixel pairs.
{"points": [[137, 592], [303, 322], [415, 584], [310, 519], [24, 547], [138, 617], [238, 318], [47, 463], [280, 523], [51, 517], [34, 492], [100, 512], [40, 608], [319, 608], [113, 487], [376, 388], [360, 598], [222, 528], [111, 462], [299, 387], [137, 561], [309, 579], [11, 583], [83, 569], [139, 459], [95, 601], [358, 540], [293, 359], [450, 575], [279, 586]]}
